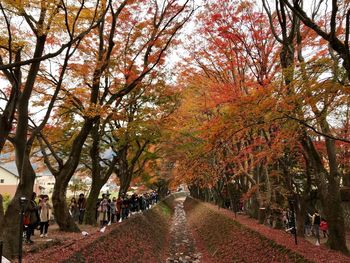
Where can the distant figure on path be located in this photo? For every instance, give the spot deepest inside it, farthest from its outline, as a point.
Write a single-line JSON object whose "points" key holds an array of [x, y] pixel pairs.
{"points": [[102, 211], [316, 221], [44, 208], [82, 207], [74, 210], [307, 224], [324, 227], [113, 207], [125, 206]]}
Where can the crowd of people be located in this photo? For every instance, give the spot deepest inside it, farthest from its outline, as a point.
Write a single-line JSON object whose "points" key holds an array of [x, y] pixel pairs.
{"points": [[37, 215], [113, 210]]}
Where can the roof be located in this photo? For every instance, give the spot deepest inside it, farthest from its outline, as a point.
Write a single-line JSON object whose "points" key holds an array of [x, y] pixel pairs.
{"points": [[11, 167], [8, 171]]}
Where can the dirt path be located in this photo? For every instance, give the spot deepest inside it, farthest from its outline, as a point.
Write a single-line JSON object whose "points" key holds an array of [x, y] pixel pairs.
{"points": [[182, 245]]}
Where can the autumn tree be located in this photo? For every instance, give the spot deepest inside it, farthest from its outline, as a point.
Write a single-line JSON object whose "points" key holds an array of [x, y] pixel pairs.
{"points": [[258, 124], [129, 43], [120, 145], [326, 174], [235, 67], [40, 24]]}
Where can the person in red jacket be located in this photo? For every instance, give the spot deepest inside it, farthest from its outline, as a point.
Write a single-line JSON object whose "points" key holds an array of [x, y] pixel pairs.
{"points": [[324, 227]]}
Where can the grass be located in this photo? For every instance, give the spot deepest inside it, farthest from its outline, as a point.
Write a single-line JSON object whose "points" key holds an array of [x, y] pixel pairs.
{"points": [[165, 209]]}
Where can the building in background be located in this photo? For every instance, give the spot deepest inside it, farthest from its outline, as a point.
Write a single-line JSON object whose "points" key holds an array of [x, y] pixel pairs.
{"points": [[46, 184], [9, 180]]}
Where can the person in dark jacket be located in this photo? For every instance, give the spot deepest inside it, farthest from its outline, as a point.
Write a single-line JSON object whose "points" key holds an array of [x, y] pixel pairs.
{"points": [[316, 221], [32, 212], [82, 207], [125, 206]]}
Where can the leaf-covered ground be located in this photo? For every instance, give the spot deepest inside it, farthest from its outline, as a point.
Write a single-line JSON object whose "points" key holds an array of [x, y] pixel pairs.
{"points": [[308, 250], [142, 238], [203, 234], [244, 240]]}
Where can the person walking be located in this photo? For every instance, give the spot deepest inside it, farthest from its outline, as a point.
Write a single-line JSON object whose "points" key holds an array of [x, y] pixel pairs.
{"points": [[316, 221], [73, 209], [102, 211], [119, 208], [125, 206], [82, 207], [307, 225], [44, 208], [113, 211], [324, 227]]}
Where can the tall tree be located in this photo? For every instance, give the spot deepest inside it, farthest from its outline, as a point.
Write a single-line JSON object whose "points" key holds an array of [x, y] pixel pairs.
{"points": [[41, 24], [129, 46]]}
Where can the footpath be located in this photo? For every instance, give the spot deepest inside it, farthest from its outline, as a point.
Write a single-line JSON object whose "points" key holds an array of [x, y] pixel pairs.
{"points": [[182, 247]]}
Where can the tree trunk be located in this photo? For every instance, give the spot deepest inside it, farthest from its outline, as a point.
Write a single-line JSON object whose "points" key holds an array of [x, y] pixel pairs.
{"points": [[207, 195], [194, 191], [262, 214], [253, 207], [5, 129], [61, 212], [90, 212], [346, 179], [333, 208], [335, 218], [125, 180], [63, 176], [300, 210], [11, 223], [162, 190]]}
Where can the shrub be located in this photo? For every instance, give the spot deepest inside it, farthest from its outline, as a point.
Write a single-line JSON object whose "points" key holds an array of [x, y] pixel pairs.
{"points": [[6, 199]]}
